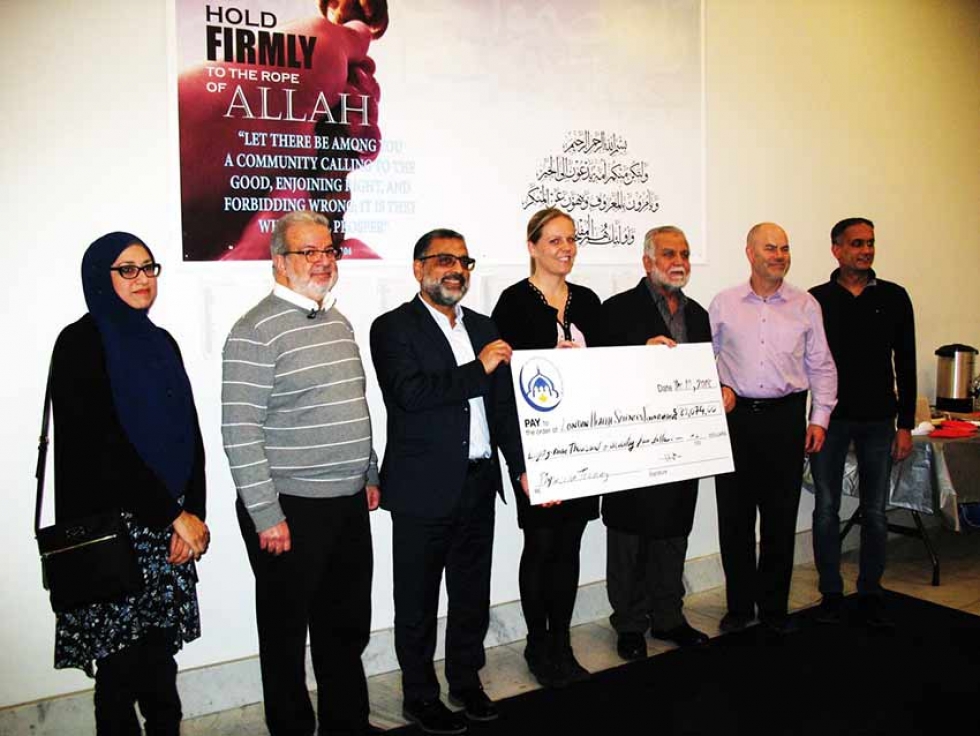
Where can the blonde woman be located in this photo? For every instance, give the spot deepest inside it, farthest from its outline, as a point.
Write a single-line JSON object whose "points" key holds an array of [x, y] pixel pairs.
{"points": [[542, 311]]}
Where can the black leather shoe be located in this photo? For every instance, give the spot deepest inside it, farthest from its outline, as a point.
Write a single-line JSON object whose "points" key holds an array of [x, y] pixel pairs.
{"points": [[475, 704], [540, 665], [683, 635], [830, 609], [732, 621], [631, 646], [779, 623], [872, 611], [434, 717], [568, 670]]}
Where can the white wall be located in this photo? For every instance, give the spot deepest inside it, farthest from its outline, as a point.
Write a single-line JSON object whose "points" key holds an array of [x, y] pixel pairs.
{"points": [[816, 110]]}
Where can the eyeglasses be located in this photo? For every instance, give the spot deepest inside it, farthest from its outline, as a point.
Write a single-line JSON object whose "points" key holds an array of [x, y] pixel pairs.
{"points": [[313, 255], [448, 260], [129, 271]]}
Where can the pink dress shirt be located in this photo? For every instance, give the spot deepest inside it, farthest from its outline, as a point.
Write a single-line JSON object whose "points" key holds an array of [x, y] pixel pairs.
{"points": [[771, 347]]}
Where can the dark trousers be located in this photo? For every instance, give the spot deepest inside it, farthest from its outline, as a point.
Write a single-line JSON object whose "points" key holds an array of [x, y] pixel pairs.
{"points": [[144, 672], [645, 581], [323, 585], [549, 580], [873, 447], [768, 448], [462, 545]]}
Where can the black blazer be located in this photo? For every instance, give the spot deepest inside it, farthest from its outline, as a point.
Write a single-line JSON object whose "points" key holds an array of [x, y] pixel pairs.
{"points": [[427, 397], [667, 510]]}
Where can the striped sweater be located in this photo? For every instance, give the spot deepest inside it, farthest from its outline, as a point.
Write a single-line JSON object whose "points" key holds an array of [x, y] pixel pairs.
{"points": [[294, 416]]}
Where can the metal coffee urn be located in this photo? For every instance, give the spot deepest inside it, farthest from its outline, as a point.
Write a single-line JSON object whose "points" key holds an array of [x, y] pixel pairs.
{"points": [[954, 378]]}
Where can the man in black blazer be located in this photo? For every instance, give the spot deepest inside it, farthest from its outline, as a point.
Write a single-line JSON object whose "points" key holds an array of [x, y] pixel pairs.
{"points": [[446, 384], [647, 528]]}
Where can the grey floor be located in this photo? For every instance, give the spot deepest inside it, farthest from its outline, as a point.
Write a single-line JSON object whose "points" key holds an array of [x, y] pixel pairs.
{"points": [[909, 572]]}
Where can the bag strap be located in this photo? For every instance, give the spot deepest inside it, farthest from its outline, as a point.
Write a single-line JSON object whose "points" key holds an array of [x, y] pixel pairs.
{"points": [[42, 450]]}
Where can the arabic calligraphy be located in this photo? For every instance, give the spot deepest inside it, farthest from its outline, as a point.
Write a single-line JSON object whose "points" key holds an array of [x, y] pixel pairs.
{"points": [[595, 232], [591, 141], [594, 175], [589, 199], [565, 168]]}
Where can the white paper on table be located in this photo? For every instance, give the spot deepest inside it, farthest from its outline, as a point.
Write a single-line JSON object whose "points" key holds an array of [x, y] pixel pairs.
{"points": [[600, 420]]}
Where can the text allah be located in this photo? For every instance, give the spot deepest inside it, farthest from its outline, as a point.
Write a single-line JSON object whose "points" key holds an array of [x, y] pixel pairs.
{"points": [[265, 109]]}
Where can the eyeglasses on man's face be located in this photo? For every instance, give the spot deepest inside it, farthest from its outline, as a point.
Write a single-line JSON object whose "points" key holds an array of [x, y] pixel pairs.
{"points": [[313, 254], [131, 271], [448, 260]]}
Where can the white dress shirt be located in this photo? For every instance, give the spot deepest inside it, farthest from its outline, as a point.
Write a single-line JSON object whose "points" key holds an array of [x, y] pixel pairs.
{"points": [[459, 342]]}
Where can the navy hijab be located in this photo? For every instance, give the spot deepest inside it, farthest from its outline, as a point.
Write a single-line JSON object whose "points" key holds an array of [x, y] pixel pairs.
{"points": [[150, 389]]}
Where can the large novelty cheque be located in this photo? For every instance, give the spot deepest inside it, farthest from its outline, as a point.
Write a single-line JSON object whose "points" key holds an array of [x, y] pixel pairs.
{"points": [[601, 420]]}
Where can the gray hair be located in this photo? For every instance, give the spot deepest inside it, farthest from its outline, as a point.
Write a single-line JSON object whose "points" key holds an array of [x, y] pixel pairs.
{"points": [[300, 217], [650, 247], [440, 233]]}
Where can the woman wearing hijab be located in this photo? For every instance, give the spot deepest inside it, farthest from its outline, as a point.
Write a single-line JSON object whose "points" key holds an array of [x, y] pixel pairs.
{"points": [[127, 439], [546, 311]]}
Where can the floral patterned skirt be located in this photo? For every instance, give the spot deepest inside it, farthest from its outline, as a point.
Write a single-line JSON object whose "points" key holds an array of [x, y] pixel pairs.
{"points": [[168, 601]]}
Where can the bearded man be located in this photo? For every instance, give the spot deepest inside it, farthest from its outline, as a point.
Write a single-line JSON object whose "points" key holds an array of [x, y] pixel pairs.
{"points": [[647, 528], [445, 380], [297, 434]]}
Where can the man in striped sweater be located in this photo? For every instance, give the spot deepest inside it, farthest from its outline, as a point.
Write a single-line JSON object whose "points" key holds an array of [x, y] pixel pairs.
{"points": [[297, 434]]}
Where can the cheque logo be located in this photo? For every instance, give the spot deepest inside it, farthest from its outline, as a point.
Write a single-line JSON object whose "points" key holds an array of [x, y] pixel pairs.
{"points": [[541, 385]]}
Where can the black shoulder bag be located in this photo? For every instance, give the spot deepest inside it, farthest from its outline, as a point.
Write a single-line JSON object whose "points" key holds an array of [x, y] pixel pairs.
{"points": [[87, 560]]}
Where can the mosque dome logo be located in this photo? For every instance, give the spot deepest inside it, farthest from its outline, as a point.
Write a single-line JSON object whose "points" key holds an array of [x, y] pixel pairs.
{"points": [[541, 385]]}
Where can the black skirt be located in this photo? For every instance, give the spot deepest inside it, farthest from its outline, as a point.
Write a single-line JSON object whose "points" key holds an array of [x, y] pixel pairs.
{"points": [[531, 517]]}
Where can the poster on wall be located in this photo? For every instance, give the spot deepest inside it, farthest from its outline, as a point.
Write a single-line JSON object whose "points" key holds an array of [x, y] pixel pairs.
{"points": [[392, 118]]}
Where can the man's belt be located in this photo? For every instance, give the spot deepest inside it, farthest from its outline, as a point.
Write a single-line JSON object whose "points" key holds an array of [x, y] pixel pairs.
{"points": [[757, 406]]}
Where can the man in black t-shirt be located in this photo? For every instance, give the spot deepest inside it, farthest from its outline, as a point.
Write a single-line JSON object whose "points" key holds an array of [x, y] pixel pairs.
{"points": [[871, 332]]}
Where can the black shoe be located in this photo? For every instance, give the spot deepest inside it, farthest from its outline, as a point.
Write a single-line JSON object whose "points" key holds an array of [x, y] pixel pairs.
{"points": [[779, 623], [434, 717], [568, 670], [732, 621], [475, 704], [872, 611], [830, 609], [540, 664], [684, 635], [631, 646], [373, 730]]}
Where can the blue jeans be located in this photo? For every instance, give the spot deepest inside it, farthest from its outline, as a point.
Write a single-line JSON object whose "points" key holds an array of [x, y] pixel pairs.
{"points": [[872, 445]]}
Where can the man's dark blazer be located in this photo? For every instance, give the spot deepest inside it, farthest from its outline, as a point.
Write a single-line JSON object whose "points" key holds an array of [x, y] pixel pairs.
{"points": [[667, 510], [427, 397]]}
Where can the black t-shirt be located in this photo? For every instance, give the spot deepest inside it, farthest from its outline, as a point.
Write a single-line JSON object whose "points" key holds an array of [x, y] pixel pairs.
{"points": [[872, 338]]}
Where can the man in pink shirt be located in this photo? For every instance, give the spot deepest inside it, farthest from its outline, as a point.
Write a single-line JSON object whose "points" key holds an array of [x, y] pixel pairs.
{"points": [[771, 349]]}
